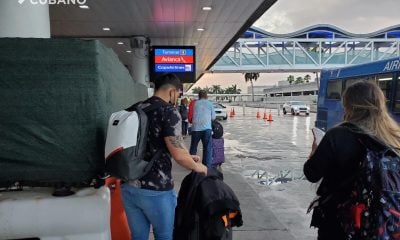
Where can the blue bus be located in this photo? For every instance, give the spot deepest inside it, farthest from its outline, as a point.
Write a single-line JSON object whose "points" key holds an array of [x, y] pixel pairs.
{"points": [[385, 73]]}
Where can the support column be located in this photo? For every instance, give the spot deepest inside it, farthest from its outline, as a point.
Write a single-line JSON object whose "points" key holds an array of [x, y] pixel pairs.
{"points": [[25, 20], [140, 60]]}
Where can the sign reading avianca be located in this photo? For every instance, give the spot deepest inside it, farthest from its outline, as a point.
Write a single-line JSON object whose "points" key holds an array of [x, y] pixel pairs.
{"points": [[180, 60], [173, 59]]}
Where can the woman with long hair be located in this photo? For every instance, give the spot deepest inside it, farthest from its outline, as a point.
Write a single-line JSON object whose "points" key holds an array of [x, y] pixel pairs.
{"points": [[337, 158]]}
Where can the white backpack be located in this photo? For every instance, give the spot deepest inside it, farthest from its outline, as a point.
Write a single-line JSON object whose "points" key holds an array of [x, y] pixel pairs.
{"points": [[126, 143]]}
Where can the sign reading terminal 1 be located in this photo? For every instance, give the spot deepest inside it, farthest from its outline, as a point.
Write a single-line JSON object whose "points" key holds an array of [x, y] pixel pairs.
{"points": [[179, 60]]}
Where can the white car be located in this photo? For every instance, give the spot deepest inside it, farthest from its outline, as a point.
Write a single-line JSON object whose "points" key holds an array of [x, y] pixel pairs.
{"points": [[296, 107], [220, 111]]}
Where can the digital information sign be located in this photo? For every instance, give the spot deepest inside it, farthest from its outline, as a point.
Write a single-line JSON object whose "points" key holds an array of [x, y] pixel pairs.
{"points": [[179, 60]]}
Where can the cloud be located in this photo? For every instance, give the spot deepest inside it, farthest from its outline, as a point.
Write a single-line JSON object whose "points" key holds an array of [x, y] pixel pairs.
{"points": [[352, 15], [275, 22]]}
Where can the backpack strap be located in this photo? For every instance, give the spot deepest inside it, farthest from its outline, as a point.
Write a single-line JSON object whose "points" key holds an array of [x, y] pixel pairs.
{"points": [[146, 109], [152, 107]]}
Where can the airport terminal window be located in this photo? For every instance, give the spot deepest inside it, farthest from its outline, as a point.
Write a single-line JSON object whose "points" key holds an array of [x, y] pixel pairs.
{"points": [[334, 90], [305, 93]]}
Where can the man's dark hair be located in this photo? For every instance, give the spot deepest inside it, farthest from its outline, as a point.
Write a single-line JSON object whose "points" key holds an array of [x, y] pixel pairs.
{"points": [[167, 80], [202, 94]]}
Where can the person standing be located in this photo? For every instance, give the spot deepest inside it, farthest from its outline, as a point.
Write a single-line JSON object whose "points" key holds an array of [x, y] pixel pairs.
{"points": [[203, 114], [336, 160], [191, 106], [183, 110], [151, 200]]}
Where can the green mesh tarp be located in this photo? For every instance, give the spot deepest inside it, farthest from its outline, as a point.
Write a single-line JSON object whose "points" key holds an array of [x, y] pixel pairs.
{"points": [[56, 97]]}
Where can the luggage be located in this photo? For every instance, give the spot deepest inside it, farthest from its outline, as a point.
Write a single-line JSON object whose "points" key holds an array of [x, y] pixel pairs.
{"points": [[57, 96], [207, 208], [217, 228], [218, 151]]}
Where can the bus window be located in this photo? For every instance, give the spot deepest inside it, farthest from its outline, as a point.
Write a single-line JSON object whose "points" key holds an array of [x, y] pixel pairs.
{"points": [[384, 81], [351, 81], [334, 90], [396, 105]]}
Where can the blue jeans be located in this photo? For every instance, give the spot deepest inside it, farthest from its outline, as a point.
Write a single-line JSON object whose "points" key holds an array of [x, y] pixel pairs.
{"points": [[144, 207], [206, 140]]}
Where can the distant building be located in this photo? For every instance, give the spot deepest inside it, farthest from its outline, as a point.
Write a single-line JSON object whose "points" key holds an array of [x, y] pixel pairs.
{"points": [[283, 83], [258, 89], [304, 91], [283, 91]]}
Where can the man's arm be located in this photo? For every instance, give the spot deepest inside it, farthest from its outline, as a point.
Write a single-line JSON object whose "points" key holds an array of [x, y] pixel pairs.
{"points": [[181, 155], [213, 116]]}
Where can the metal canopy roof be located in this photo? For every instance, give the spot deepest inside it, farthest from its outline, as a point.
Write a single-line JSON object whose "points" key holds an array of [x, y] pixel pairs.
{"points": [[165, 22]]}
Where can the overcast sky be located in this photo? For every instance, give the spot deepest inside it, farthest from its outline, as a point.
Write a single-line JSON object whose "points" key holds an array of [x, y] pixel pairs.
{"points": [[285, 16], [357, 16]]}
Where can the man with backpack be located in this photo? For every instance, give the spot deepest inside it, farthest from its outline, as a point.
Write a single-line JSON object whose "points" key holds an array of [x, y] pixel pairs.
{"points": [[151, 199]]}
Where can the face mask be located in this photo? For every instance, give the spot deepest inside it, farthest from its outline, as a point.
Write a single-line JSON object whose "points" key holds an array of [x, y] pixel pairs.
{"points": [[172, 100]]}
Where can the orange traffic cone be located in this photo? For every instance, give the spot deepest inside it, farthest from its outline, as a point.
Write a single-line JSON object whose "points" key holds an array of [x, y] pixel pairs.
{"points": [[231, 114], [270, 117], [233, 111], [119, 223], [265, 115], [258, 114]]}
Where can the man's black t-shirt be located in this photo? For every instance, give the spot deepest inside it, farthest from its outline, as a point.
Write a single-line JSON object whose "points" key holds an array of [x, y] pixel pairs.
{"points": [[163, 122]]}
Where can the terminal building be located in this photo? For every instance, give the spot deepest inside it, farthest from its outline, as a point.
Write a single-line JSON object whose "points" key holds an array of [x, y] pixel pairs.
{"points": [[284, 91]]}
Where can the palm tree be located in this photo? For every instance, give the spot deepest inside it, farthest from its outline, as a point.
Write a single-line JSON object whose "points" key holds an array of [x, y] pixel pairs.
{"points": [[232, 90], [208, 90], [216, 89], [299, 80], [290, 79], [196, 90], [250, 77], [235, 89], [307, 78]]}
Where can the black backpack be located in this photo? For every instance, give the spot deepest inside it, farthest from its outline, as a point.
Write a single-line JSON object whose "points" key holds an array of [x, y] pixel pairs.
{"points": [[217, 129], [373, 208], [126, 143]]}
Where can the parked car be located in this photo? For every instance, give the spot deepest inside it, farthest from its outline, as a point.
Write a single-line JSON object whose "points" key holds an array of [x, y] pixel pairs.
{"points": [[296, 107], [220, 111]]}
